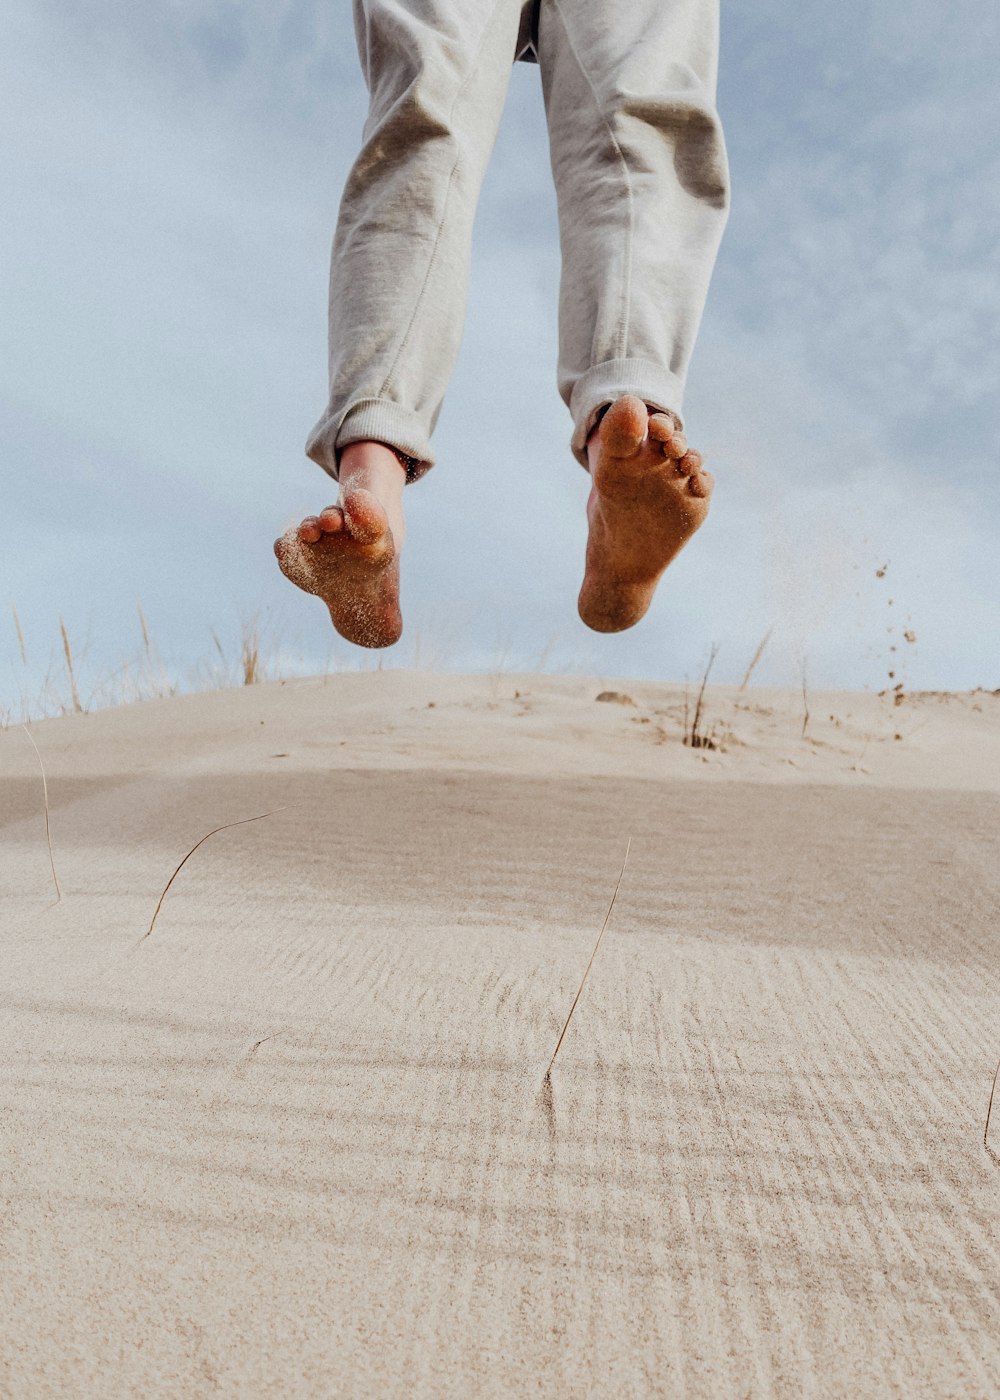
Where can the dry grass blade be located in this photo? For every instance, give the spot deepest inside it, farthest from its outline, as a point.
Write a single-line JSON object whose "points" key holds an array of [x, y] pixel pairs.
{"points": [[146, 640], [45, 799], [20, 635], [250, 653], [989, 1115], [153, 660], [695, 737], [214, 832], [546, 652], [756, 657], [593, 955], [74, 693]]}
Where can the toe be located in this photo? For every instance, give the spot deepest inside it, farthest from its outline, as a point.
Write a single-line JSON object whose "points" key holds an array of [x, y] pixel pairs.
{"points": [[623, 427], [664, 430], [364, 517], [700, 483], [310, 530], [689, 463], [331, 520], [675, 446]]}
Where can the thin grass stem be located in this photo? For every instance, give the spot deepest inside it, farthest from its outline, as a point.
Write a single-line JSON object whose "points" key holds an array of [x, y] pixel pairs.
{"points": [[45, 800], [67, 652], [147, 643], [694, 737], [215, 830], [593, 955], [20, 635], [755, 658], [989, 1113]]}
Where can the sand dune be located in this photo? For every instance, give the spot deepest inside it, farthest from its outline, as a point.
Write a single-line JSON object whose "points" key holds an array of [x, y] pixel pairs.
{"points": [[294, 1143]]}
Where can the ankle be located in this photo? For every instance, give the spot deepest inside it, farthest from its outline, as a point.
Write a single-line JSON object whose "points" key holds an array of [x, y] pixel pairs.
{"points": [[374, 466]]}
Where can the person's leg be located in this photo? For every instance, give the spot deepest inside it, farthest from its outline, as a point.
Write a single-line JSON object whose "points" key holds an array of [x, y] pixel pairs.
{"points": [[642, 185], [348, 555], [437, 74]]}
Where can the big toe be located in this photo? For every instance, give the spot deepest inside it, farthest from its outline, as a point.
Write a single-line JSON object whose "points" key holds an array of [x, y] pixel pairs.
{"points": [[623, 427], [364, 517]]}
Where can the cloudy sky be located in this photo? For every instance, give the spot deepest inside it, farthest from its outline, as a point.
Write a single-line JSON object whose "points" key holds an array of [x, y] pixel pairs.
{"points": [[171, 176]]}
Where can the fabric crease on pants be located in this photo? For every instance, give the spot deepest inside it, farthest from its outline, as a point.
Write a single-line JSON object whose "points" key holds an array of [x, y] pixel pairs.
{"points": [[641, 179]]}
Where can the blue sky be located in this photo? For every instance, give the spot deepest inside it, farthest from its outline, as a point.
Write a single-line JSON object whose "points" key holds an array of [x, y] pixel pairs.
{"points": [[171, 179]]}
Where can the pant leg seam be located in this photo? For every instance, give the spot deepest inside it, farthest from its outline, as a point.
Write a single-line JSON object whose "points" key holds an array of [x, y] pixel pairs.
{"points": [[622, 349], [387, 384]]}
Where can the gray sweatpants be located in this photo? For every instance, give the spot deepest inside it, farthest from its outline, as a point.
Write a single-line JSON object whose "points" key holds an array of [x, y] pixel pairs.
{"points": [[641, 181]]}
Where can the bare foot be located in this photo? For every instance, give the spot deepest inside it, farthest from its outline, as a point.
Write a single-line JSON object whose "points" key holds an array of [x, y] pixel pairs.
{"points": [[348, 555], [650, 494]]}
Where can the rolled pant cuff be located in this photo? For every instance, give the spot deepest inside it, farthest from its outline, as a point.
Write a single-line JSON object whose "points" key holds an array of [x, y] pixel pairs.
{"points": [[371, 420], [604, 383]]}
